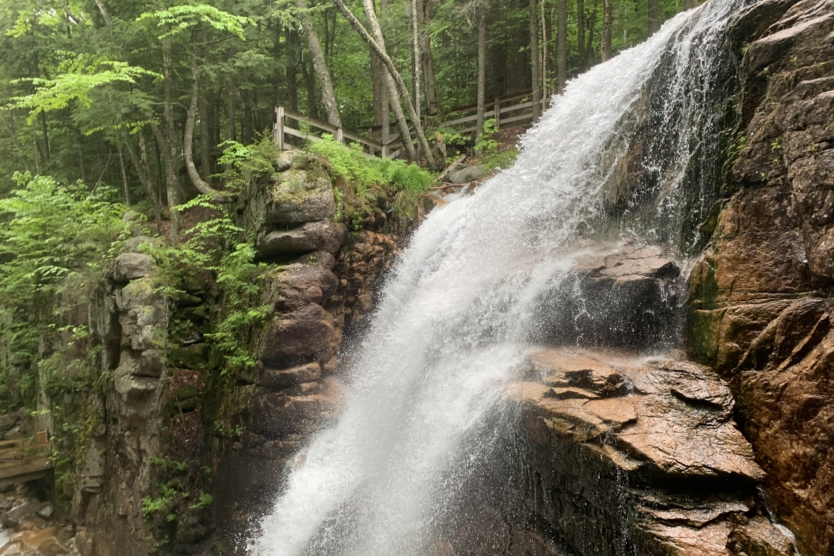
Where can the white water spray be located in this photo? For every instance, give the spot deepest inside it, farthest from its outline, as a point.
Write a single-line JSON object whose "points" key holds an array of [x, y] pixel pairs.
{"points": [[458, 309]]}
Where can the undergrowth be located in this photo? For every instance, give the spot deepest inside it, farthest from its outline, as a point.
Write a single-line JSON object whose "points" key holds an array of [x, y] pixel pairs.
{"points": [[371, 179]]}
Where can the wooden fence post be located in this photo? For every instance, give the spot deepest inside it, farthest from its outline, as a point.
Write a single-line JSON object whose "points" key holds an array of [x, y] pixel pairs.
{"points": [[497, 113], [278, 131]]}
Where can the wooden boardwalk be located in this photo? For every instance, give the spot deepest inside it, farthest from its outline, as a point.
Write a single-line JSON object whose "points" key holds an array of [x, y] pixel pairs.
{"points": [[22, 460]]}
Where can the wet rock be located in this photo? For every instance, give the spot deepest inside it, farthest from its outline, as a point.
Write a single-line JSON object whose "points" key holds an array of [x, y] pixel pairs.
{"points": [[466, 174], [658, 466], [84, 543], [298, 284], [52, 547], [298, 337], [13, 517], [130, 266], [759, 301], [46, 512], [275, 415], [307, 238], [270, 378], [615, 295]]}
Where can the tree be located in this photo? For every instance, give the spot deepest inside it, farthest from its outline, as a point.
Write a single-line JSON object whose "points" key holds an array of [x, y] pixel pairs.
{"points": [[562, 48], [534, 61], [479, 128], [331, 107], [654, 16], [608, 18], [393, 74]]}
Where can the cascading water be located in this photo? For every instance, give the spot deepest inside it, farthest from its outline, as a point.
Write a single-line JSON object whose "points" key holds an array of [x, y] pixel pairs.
{"points": [[424, 407]]}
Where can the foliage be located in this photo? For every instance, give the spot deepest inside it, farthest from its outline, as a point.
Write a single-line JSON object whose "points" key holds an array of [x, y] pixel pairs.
{"points": [[245, 163], [486, 144], [204, 502], [181, 18], [54, 245], [367, 177]]}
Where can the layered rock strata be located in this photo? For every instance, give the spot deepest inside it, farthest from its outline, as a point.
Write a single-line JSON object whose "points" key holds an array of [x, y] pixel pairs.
{"points": [[760, 293], [638, 455], [317, 287]]}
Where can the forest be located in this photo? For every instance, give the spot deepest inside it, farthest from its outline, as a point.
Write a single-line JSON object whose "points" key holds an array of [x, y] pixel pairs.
{"points": [[113, 112], [146, 96]]}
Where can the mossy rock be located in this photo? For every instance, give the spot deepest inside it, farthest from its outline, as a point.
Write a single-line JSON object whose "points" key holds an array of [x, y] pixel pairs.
{"points": [[192, 357]]}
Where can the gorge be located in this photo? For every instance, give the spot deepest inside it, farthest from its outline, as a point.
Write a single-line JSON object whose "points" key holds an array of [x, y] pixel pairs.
{"points": [[621, 345]]}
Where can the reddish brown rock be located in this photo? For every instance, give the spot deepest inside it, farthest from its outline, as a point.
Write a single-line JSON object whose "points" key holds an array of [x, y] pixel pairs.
{"points": [[759, 294], [659, 467], [299, 336]]}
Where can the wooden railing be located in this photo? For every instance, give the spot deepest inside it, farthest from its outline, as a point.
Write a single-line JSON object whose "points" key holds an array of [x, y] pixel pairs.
{"points": [[22, 460], [281, 130], [390, 149], [514, 103]]}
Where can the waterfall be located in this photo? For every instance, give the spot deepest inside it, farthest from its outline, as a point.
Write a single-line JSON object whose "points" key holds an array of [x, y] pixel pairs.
{"points": [[424, 406]]}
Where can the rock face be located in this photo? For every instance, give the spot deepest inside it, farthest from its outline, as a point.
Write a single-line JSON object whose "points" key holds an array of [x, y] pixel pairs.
{"points": [[636, 455], [615, 295], [318, 286], [759, 307], [131, 317]]}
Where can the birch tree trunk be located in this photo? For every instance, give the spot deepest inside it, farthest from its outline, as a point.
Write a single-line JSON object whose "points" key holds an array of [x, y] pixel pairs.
{"points": [[393, 74], [379, 41], [415, 62], [169, 142], [328, 96], [427, 63], [580, 34], [654, 16]]}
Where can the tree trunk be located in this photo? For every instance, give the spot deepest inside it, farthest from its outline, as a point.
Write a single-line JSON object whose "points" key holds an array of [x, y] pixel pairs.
{"points": [[124, 177], [534, 60], [580, 35], [589, 46], [393, 94], [479, 128], [47, 150], [142, 172], [393, 75], [427, 64], [205, 134], [188, 136], [415, 56], [607, 21], [654, 16], [310, 81], [328, 96], [543, 50], [562, 43], [104, 13], [169, 141], [381, 110], [292, 68]]}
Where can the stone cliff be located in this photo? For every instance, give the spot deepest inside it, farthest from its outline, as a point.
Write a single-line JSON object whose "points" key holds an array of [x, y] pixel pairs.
{"points": [[707, 452], [760, 293]]}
